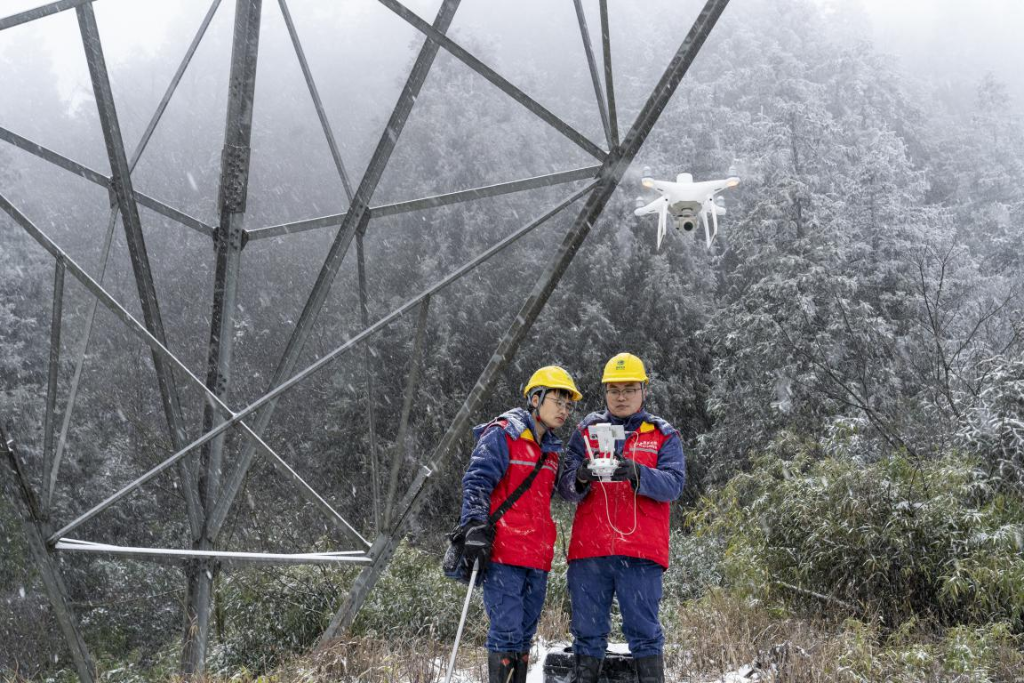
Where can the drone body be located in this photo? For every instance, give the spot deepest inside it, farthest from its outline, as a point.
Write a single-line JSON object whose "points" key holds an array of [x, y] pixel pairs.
{"points": [[684, 200]]}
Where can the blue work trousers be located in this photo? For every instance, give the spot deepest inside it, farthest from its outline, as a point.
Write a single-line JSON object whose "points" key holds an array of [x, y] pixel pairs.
{"points": [[637, 585], [513, 598]]}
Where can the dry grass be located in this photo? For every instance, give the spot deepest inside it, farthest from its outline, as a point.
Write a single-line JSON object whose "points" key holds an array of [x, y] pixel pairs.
{"points": [[721, 634], [554, 626], [706, 639], [370, 660]]}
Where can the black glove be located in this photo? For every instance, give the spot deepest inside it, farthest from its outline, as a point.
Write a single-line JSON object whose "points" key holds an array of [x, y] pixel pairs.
{"points": [[584, 476], [628, 470], [479, 539]]}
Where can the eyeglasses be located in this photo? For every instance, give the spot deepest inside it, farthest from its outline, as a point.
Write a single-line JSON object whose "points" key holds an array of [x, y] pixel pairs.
{"points": [[563, 404], [628, 393]]}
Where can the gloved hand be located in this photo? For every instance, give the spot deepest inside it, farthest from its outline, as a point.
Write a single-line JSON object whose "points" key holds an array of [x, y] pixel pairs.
{"points": [[479, 539], [628, 470], [584, 476]]}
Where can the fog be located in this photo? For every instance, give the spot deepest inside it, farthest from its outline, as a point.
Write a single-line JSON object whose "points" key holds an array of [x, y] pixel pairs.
{"points": [[862, 295]]}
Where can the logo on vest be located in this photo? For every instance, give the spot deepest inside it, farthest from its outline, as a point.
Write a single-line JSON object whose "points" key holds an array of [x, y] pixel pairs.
{"points": [[648, 443]]}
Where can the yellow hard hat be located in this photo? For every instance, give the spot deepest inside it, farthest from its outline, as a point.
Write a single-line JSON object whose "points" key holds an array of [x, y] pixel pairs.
{"points": [[552, 377], [625, 367]]}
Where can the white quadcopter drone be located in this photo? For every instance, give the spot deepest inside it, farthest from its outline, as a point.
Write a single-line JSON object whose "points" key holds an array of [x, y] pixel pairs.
{"points": [[685, 200]]}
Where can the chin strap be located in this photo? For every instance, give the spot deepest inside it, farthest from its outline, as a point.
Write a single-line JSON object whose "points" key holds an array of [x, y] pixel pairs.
{"points": [[535, 410]]}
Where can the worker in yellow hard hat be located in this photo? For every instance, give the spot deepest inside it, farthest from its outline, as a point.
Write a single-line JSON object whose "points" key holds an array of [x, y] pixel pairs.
{"points": [[506, 515], [623, 466]]}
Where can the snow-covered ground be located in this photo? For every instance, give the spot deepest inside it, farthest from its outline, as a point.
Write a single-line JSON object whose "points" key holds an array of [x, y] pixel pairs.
{"points": [[744, 674]]}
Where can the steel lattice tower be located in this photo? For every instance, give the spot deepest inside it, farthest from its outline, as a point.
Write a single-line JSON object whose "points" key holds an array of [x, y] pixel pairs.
{"points": [[198, 464]]}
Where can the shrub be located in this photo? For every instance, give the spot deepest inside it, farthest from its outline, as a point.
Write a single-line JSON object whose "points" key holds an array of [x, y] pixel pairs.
{"points": [[413, 598], [894, 538], [266, 616]]}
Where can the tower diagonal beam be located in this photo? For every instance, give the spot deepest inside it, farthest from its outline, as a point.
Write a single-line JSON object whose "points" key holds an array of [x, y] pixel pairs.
{"points": [[173, 85], [53, 584], [237, 417], [356, 218], [70, 165], [140, 331], [609, 81], [318, 104], [39, 12], [411, 385], [121, 185], [612, 172], [435, 201], [187, 474], [56, 318], [98, 178], [433, 35], [588, 49]]}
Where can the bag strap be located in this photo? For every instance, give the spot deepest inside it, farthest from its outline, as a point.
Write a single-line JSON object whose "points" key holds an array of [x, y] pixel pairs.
{"points": [[520, 490]]}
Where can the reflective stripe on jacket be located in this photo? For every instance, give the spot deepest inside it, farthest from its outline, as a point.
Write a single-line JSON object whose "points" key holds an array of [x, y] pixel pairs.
{"points": [[505, 455]]}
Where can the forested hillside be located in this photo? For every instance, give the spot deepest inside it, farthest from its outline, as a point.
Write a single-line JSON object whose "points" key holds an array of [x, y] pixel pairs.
{"points": [[845, 363]]}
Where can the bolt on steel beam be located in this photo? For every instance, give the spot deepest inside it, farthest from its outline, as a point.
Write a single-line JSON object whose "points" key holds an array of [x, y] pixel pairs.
{"points": [[496, 79], [615, 167], [355, 220]]}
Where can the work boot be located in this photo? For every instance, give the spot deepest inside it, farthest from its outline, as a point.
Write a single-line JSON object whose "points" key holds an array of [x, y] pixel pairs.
{"points": [[522, 666], [587, 669], [650, 669], [501, 666]]}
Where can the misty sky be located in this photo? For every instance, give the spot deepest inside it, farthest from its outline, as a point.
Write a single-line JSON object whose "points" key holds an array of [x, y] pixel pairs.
{"points": [[932, 37]]}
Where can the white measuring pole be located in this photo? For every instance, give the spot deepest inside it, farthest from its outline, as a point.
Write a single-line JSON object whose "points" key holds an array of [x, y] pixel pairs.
{"points": [[462, 622]]}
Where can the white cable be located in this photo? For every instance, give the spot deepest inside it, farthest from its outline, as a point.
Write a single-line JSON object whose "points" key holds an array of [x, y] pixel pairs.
{"points": [[607, 514]]}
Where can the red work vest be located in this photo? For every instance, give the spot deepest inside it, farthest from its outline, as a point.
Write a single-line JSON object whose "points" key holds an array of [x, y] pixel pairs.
{"points": [[525, 535], [593, 536]]}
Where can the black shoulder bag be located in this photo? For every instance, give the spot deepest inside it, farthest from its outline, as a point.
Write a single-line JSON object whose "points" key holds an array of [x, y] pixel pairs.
{"points": [[453, 565]]}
